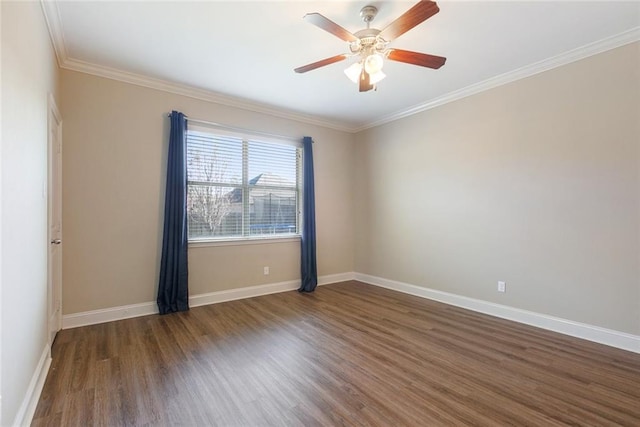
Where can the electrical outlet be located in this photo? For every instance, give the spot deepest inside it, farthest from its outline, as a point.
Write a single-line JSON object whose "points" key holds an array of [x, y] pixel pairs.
{"points": [[266, 271], [502, 286]]}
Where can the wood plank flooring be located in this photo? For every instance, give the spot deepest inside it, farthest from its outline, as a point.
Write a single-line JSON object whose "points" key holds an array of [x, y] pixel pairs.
{"points": [[348, 354]]}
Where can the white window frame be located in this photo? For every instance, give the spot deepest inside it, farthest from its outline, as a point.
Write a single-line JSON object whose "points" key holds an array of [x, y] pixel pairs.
{"points": [[246, 237]]}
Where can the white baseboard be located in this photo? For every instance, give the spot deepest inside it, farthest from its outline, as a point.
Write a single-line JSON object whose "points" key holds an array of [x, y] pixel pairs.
{"points": [[336, 278], [254, 291], [241, 293], [568, 327], [110, 314], [143, 309], [32, 396]]}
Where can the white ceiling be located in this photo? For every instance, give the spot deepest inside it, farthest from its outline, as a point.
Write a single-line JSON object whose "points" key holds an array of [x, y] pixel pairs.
{"points": [[244, 52]]}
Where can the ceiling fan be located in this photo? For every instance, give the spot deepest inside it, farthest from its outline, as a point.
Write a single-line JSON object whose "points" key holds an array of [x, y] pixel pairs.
{"points": [[370, 44]]}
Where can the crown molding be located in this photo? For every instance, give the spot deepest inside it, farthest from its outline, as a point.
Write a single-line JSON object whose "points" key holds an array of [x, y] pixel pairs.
{"points": [[196, 93], [565, 58], [54, 24], [52, 17]]}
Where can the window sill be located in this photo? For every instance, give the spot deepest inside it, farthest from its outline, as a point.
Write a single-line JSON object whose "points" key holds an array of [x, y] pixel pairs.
{"points": [[241, 241]]}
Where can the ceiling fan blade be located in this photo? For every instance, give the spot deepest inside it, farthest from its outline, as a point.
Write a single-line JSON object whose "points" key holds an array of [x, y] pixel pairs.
{"points": [[320, 63], [364, 84], [328, 25], [412, 17], [415, 58]]}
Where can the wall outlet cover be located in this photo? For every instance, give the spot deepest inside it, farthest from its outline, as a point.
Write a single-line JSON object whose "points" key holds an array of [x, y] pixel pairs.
{"points": [[502, 286]]}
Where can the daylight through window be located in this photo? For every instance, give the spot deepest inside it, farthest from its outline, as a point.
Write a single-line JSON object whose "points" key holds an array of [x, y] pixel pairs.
{"points": [[240, 187]]}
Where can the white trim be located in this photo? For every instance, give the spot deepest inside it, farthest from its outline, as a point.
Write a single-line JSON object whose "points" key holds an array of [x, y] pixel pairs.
{"points": [[32, 396], [254, 291], [242, 293], [52, 17], [54, 24], [53, 107], [565, 58], [205, 243], [568, 327], [336, 278], [108, 314], [197, 93], [135, 310]]}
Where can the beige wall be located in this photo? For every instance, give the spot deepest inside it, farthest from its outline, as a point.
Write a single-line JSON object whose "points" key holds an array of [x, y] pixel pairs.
{"points": [[536, 183], [115, 143], [29, 74]]}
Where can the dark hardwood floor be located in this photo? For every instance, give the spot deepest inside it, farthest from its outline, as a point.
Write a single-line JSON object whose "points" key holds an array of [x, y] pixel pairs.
{"points": [[348, 354]]}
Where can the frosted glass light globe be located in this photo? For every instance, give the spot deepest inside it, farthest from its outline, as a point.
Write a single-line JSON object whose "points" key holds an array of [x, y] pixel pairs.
{"points": [[353, 72], [373, 63], [375, 78]]}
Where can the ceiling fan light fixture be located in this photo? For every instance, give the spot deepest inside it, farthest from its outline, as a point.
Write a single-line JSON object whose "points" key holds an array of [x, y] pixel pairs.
{"points": [[353, 71], [369, 45]]}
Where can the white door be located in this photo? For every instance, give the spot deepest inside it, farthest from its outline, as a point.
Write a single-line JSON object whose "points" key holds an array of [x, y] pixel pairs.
{"points": [[54, 187]]}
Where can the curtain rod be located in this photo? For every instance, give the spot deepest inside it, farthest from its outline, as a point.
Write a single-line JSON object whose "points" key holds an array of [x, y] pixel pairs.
{"points": [[236, 129]]}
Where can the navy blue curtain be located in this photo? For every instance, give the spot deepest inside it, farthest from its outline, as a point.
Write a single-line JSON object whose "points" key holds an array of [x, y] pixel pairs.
{"points": [[309, 269], [173, 292]]}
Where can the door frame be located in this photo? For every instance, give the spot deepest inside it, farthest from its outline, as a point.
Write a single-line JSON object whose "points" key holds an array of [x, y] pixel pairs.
{"points": [[54, 189]]}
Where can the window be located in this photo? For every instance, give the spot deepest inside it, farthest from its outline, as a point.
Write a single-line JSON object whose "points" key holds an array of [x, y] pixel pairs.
{"points": [[240, 187]]}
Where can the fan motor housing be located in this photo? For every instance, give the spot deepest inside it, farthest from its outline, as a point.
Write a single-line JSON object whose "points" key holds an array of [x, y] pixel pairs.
{"points": [[367, 39], [367, 33]]}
